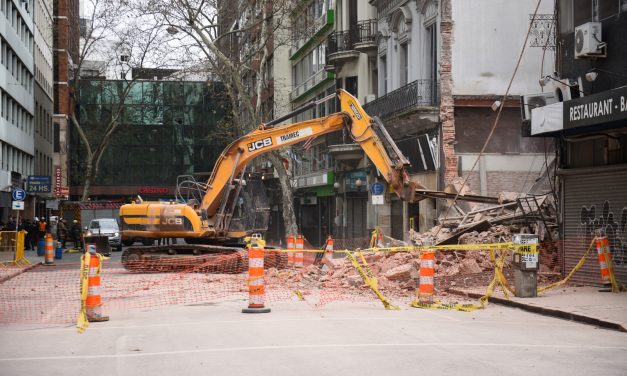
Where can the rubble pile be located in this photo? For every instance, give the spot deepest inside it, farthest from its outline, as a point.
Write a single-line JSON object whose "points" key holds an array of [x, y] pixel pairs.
{"points": [[398, 272]]}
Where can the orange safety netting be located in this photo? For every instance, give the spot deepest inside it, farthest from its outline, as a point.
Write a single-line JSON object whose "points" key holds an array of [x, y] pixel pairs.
{"points": [[50, 294]]}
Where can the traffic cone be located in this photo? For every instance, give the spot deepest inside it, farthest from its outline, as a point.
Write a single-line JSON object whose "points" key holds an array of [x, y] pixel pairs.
{"points": [[290, 250], [93, 303], [298, 256], [49, 250], [328, 254], [425, 291], [605, 259], [256, 282]]}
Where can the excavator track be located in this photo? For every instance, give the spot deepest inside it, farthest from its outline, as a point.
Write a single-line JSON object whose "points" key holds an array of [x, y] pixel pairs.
{"points": [[198, 258]]}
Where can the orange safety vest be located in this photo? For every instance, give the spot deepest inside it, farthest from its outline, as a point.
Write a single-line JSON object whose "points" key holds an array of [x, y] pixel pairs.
{"points": [[42, 226]]}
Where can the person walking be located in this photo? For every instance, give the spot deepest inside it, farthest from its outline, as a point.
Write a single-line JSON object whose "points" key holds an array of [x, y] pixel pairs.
{"points": [[28, 242], [62, 232]]}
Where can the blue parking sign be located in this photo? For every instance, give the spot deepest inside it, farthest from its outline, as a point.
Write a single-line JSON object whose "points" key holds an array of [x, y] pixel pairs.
{"points": [[18, 194]]}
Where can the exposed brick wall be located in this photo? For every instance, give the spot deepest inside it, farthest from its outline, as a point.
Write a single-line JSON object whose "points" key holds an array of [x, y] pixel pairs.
{"points": [[66, 45], [446, 86]]}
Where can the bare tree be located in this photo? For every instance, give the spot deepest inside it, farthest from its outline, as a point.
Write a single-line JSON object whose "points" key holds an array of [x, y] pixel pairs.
{"points": [[236, 40], [114, 41]]}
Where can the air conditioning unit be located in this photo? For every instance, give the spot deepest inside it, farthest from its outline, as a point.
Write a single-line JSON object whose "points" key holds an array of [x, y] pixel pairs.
{"points": [[566, 89], [369, 98], [530, 101], [588, 42]]}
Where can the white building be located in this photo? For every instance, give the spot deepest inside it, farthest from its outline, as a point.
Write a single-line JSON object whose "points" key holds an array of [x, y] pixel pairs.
{"points": [[17, 107], [441, 66]]}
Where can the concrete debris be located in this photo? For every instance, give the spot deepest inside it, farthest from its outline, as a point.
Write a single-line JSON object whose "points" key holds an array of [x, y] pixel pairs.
{"points": [[398, 272]]}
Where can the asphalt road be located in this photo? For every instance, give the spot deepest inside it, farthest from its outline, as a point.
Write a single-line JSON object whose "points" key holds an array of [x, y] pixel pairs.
{"points": [[295, 339]]}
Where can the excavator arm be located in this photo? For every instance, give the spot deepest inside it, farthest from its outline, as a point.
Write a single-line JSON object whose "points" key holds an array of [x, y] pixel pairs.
{"points": [[369, 133]]}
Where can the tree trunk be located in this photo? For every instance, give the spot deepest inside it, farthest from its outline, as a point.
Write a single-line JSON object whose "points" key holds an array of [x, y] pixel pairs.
{"points": [[287, 194]]}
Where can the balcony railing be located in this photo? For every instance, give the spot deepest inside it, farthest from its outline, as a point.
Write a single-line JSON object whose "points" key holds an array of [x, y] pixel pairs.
{"points": [[366, 31], [417, 93], [340, 41]]}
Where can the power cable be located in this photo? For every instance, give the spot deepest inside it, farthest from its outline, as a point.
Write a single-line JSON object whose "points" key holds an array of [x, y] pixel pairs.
{"points": [[496, 121]]}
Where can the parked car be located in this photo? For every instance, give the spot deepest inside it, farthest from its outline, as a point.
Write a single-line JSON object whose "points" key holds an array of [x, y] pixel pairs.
{"points": [[108, 227]]}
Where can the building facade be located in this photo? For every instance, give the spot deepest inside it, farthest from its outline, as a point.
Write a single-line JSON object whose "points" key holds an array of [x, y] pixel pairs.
{"points": [[44, 104], [435, 93], [17, 105], [66, 19], [584, 111], [168, 128]]}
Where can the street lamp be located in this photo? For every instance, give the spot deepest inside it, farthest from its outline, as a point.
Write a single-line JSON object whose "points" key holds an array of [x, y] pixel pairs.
{"points": [[358, 184]]}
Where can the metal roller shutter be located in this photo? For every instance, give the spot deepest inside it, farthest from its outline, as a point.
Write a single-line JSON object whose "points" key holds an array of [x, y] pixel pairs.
{"points": [[595, 200]]}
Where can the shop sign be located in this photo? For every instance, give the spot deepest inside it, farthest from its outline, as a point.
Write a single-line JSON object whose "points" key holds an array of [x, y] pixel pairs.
{"points": [[608, 106], [57, 181], [39, 184]]}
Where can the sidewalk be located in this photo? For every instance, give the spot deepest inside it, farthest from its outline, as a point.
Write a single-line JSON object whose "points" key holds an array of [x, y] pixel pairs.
{"points": [[583, 304]]}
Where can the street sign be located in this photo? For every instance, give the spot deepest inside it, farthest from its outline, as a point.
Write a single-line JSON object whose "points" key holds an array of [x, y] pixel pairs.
{"points": [[377, 188], [378, 200], [18, 194], [18, 205]]}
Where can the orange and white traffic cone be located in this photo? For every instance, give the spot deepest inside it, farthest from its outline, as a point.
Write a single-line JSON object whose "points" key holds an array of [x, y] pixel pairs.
{"points": [[256, 282], [93, 303], [605, 262], [328, 254], [427, 263], [299, 256], [49, 250], [290, 250]]}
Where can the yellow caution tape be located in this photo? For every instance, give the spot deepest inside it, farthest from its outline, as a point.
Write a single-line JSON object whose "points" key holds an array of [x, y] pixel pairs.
{"points": [[506, 246], [82, 323], [299, 295], [369, 279]]}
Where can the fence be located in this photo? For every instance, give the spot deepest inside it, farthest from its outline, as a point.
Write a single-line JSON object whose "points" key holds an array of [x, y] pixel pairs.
{"points": [[50, 295], [12, 259]]}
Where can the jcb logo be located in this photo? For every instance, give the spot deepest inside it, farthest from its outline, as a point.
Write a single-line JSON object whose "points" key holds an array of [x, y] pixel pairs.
{"points": [[259, 144], [172, 221]]}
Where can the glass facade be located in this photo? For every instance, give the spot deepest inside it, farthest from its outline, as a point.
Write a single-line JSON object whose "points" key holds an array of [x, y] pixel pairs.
{"points": [[167, 128]]}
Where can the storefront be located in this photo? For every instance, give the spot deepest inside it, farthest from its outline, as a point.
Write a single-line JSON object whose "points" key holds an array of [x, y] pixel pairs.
{"points": [[592, 176]]}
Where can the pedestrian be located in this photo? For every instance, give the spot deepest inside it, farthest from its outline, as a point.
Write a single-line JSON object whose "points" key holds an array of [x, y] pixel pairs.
{"points": [[33, 230], [42, 227], [28, 242], [75, 233], [62, 232]]}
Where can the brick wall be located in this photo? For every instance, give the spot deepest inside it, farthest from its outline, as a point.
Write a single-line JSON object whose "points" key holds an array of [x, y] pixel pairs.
{"points": [[447, 117]]}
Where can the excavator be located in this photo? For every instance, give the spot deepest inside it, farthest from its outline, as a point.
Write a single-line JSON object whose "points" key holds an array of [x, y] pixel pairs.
{"points": [[205, 219]]}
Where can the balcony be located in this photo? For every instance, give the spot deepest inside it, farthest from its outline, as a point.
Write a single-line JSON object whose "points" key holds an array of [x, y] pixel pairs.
{"points": [[420, 93], [346, 45], [340, 47], [319, 78], [321, 25], [366, 36]]}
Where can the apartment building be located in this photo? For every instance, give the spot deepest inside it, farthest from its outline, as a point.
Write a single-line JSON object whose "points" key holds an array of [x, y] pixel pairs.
{"points": [[17, 107]]}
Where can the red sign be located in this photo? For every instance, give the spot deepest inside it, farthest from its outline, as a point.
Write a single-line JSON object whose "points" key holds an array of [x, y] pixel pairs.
{"points": [[57, 181], [153, 190]]}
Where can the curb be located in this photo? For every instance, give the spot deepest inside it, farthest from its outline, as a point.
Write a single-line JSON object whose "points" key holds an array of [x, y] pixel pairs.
{"points": [[29, 267], [547, 311]]}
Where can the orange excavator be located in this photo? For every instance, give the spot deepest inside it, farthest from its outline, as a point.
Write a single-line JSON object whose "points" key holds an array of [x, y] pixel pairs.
{"points": [[205, 218]]}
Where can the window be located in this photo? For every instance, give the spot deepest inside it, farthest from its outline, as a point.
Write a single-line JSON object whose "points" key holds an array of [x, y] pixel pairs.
{"points": [[383, 74]]}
